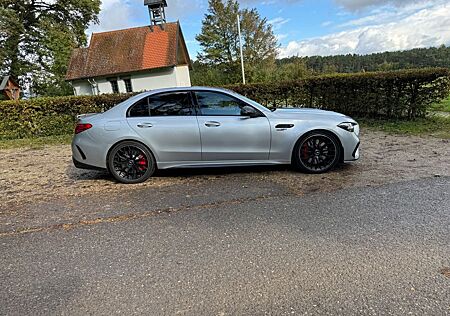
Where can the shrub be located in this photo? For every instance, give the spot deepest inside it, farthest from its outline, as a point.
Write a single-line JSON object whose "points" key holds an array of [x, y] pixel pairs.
{"points": [[50, 116], [400, 94]]}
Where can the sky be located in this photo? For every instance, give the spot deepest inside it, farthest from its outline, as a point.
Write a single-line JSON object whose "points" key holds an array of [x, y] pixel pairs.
{"points": [[308, 27]]}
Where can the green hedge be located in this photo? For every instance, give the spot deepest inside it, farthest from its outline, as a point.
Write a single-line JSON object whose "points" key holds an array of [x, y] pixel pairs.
{"points": [[50, 116], [401, 94]]}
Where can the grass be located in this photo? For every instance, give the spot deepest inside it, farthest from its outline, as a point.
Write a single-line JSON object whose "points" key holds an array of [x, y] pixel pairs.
{"points": [[443, 106], [434, 126], [35, 143]]}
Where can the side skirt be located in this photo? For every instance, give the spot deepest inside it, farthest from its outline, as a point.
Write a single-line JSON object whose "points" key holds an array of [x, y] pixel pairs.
{"points": [[223, 163]]}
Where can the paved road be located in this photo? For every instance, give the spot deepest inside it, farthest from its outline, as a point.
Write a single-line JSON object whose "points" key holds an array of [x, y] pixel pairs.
{"points": [[360, 251]]}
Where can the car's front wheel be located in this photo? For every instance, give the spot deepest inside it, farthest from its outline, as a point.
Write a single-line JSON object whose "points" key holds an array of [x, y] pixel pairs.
{"points": [[317, 152], [131, 162]]}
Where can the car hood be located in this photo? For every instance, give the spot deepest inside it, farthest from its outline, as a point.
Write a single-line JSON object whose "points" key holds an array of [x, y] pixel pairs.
{"points": [[302, 113]]}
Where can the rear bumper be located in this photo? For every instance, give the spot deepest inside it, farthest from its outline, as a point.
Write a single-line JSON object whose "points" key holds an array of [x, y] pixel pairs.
{"points": [[81, 165], [87, 151]]}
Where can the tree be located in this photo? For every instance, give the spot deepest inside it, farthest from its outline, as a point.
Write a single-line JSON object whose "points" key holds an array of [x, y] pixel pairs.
{"points": [[37, 37], [220, 41]]}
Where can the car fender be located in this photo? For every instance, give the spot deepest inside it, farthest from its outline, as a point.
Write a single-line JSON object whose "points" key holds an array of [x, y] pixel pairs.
{"points": [[285, 139]]}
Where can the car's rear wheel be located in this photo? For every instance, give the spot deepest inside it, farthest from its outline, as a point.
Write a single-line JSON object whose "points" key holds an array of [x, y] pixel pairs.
{"points": [[317, 152], [131, 162]]}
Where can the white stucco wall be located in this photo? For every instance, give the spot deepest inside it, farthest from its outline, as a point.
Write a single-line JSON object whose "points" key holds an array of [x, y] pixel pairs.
{"points": [[154, 80], [104, 86], [183, 76], [166, 78], [82, 88]]}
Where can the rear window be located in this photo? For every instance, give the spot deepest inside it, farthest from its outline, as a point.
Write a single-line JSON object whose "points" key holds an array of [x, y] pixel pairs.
{"points": [[166, 104], [139, 109]]}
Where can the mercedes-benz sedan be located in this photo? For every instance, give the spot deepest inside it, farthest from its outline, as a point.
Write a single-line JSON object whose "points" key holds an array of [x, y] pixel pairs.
{"points": [[207, 127]]}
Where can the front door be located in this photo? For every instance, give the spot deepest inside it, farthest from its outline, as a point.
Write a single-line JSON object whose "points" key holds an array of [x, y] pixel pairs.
{"points": [[168, 124], [228, 135]]}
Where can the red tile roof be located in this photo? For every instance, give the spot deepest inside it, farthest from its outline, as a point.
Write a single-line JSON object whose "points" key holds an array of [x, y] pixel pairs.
{"points": [[129, 50]]}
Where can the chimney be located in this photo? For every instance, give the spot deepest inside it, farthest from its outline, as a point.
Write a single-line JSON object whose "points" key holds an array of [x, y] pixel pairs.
{"points": [[156, 11]]}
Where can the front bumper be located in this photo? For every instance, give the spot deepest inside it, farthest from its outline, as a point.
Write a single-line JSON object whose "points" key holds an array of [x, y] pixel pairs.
{"points": [[350, 144], [355, 153]]}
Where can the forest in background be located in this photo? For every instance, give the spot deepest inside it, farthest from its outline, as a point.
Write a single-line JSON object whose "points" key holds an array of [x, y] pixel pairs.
{"points": [[293, 68]]}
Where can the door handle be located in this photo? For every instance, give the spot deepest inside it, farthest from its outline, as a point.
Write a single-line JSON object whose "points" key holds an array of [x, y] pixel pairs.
{"points": [[145, 125], [212, 124]]}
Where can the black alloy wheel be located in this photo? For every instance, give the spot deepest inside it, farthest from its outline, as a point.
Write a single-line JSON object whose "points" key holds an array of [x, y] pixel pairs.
{"points": [[317, 152], [131, 162]]}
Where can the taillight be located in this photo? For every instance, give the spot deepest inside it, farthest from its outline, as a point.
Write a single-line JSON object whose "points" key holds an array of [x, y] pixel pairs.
{"points": [[82, 127]]}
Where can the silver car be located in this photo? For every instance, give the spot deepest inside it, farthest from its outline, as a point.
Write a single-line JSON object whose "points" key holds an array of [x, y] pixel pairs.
{"points": [[209, 127]]}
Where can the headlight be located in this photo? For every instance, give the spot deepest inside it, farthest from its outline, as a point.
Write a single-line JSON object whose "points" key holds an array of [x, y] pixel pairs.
{"points": [[348, 126]]}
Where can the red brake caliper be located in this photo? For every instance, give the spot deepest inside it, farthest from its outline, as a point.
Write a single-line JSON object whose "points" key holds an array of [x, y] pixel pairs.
{"points": [[305, 151], [142, 162]]}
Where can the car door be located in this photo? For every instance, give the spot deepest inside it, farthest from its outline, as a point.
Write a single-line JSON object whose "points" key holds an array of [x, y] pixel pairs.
{"points": [[225, 133], [167, 122]]}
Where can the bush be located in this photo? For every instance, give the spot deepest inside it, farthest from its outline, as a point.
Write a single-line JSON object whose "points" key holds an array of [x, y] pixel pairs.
{"points": [[50, 116], [400, 94]]}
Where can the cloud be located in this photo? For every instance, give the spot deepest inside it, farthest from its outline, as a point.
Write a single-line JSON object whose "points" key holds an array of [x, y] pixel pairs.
{"points": [[114, 14], [423, 28], [178, 9], [352, 5], [267, 2], [281, 37], [117, 14], [355, 5], [278, 22], [120, 14], [388, 14]]}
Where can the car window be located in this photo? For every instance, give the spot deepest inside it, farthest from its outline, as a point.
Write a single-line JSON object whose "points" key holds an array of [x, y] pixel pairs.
{"points": [[170, 104], [166, 104], [218, 104], [139, 109]]}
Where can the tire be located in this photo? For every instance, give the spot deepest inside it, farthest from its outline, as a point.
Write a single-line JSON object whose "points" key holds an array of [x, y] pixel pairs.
{"points": [[317, 152], [131, 162]]}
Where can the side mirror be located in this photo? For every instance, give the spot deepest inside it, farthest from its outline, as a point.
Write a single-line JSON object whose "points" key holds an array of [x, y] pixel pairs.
{"points": [[248, 110]]}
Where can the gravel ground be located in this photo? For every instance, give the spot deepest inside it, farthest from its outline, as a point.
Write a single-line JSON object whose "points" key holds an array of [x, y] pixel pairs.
{"points": [[34, 181], [48, 173]]}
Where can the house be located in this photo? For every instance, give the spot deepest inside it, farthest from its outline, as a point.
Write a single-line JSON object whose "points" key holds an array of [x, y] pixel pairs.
{"points": [[131, 60], [9, 88]]}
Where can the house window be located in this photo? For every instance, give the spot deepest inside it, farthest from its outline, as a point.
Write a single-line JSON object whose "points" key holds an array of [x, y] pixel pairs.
{"points": [[114, 86], [128, 85]]}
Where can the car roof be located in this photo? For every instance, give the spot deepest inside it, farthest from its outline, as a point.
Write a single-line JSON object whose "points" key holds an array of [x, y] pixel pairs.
{"points": [[124, 105], [162, 90], [195, 88]]}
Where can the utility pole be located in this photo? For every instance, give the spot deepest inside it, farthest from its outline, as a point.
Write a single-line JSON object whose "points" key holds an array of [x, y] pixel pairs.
{"points": [[240, 47]]}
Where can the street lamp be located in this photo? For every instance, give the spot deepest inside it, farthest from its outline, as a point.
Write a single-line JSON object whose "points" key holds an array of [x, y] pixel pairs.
{"points": [[240, 47]]}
